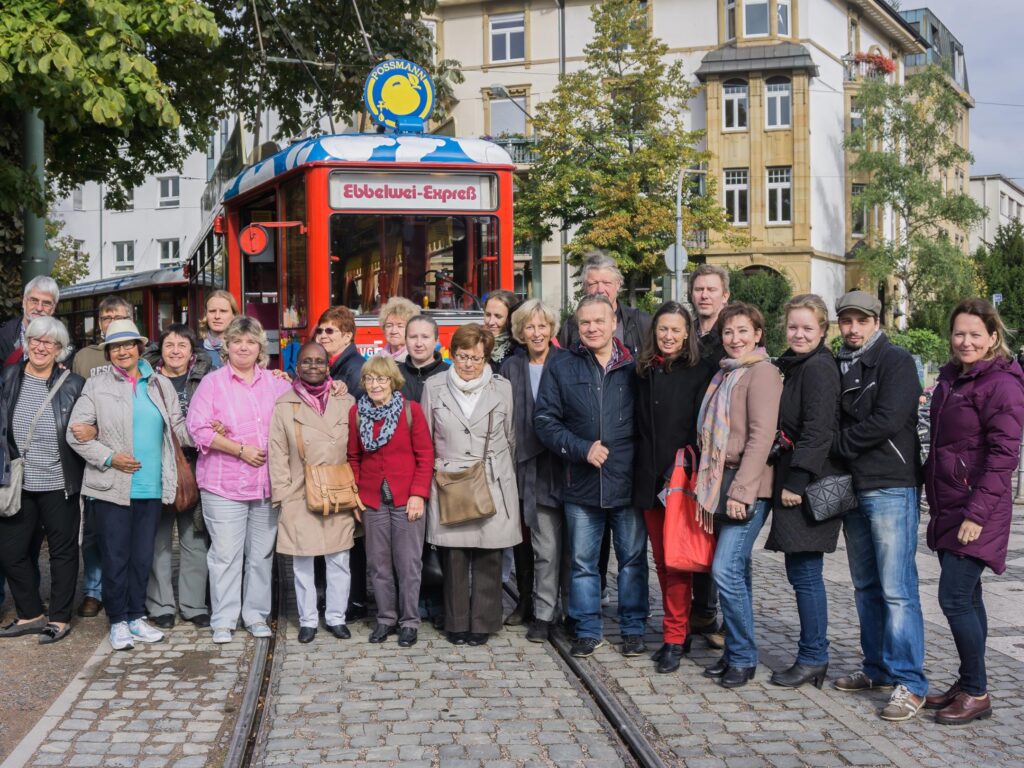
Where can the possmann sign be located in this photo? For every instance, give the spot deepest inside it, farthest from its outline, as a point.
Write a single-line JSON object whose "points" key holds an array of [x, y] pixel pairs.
{"points": [[412, 191]]}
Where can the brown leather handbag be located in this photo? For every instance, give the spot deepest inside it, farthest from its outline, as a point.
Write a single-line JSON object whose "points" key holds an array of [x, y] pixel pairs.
{"points": [[463, 495], [330, 488], [186, 494]]}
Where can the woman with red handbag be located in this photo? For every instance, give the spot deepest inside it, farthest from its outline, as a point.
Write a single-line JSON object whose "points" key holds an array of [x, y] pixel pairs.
{"points": [[671, 380]]}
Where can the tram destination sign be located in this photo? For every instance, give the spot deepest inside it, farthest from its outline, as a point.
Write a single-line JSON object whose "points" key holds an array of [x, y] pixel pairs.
{"points": [[412, 191]]}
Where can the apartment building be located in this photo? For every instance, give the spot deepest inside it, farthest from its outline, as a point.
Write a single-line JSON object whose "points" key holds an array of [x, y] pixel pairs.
{"points": [[780, 84], [1004, 200]]}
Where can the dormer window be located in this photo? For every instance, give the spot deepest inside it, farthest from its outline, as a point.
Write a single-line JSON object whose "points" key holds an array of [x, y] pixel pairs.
{"points": [[755, 18]]}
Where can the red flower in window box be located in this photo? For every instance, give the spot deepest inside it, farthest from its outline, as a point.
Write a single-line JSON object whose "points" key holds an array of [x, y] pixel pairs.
{"points": [[878, 62]]}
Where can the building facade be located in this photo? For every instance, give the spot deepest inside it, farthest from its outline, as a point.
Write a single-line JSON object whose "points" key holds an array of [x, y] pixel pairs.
{"points": [[1003, 200]]}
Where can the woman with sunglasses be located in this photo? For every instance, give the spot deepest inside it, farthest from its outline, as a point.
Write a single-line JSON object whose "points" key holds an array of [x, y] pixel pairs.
{"points": [[336, 332]]}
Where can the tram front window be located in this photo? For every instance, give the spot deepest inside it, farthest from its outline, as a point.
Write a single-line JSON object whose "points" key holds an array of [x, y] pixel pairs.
{"points": [[439, 262]]}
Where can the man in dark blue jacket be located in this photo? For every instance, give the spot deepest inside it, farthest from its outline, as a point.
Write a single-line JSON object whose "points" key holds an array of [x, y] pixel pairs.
{"points": [[584, 413]]}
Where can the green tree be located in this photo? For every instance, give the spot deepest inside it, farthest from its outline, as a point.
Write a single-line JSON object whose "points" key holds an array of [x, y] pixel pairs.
{"points": [[907, 146], [769, 291], [72, 264], [1001, 265], [610, 145]]}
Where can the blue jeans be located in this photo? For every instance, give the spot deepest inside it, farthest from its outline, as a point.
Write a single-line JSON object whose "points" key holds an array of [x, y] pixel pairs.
{"points": [[803, 569], [92, 561], [961, 603], [731, 571], [586, 528], [881, 542]]}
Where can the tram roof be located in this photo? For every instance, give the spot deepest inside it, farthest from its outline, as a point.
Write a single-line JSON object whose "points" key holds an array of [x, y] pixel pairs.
{"points": [[124, 282], [370, 148]]}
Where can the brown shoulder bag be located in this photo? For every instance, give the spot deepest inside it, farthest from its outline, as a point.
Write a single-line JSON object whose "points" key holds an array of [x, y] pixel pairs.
{"points": [[463, 496], [186, 493], [330, 488]]}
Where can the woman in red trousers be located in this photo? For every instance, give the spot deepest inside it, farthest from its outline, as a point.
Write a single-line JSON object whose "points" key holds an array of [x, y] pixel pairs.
{"points": [[671, 379]]}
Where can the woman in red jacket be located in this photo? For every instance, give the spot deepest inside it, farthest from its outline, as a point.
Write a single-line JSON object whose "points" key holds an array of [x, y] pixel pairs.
{"points": [[392, 456]]}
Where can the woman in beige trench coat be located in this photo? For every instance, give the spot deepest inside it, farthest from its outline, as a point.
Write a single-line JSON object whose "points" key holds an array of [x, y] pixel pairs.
{"points": [[322, 421], [459, 407]]}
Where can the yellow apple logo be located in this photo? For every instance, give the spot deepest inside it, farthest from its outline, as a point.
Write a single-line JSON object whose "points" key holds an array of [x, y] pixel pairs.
{"points": [[401, 94]]}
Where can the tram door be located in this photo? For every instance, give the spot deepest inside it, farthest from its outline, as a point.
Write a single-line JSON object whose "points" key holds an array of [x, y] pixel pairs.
{"points": [[259, 273]]}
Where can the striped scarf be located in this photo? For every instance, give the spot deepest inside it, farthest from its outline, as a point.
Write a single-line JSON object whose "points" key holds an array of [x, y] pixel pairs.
{"points": [[714, 430]]}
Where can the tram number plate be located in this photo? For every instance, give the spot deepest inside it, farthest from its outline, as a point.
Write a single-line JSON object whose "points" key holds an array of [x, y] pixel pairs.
{"points": [[439, 191]]}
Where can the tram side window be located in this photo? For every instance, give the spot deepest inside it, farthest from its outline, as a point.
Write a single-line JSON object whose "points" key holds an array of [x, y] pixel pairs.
{"points": [[294, 282], [439, 262]]}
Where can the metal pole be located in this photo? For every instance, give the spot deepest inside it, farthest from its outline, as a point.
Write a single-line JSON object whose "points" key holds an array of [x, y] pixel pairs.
{"points": [[34, 261], [680, 261], [101, 230], [562, 263]]}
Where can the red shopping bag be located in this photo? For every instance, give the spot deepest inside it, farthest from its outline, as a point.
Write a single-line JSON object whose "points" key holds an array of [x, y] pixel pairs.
{"points": [[688, 547]]}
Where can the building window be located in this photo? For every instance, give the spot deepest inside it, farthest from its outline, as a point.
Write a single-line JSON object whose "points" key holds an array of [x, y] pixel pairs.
{"points": [[780, 195], [859, 212], [124, 256], [730, 19], [734, 115], [78, 246], [129, 199], [755, 18], [223, 133], [211, 161], [508, 116], [856, 116], [778, 102], [737, 190], [169, 192], [431, 26], [76, 199], [508, 37], [782, 17], [170, 253]]}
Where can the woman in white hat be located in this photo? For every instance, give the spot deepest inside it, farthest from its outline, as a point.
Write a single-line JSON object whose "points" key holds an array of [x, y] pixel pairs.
{"points": [[121, 426]]}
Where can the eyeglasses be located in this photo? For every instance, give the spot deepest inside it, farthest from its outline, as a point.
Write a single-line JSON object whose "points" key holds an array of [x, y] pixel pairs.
{"points": [[327, 331], [313, 362], [44, 303], [112, 318], [42, 343], [376, 379], [123, 345], [468, 359]]}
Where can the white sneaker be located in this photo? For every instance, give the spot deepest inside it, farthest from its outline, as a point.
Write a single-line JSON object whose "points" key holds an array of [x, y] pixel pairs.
{"points": [[221, 636], [606, 597], [144, 632], [121, 637], [259, 629]]}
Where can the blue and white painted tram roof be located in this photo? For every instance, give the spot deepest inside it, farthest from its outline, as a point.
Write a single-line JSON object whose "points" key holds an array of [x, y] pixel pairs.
{"points": [[370, 148]]}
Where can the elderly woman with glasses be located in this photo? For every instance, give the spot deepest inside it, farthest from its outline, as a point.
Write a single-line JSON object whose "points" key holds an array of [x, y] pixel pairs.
{"points": [[38, 395], [470, 411]]}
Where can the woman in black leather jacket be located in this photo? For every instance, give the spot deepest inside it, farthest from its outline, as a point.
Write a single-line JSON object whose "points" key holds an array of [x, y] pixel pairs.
{"points": [[50, 485]]}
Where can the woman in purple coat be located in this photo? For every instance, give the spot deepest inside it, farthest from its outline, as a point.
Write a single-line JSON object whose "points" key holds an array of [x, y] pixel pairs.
{"points": [[977, 413]]}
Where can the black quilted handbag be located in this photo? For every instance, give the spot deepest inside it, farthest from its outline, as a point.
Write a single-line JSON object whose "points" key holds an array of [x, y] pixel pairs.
{"points": [[830, 497]]}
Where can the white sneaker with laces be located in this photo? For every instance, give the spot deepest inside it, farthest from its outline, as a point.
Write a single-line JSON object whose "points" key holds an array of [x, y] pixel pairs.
{"points": [[221, 635], [144, 632], [121, 637], [259, 629]]}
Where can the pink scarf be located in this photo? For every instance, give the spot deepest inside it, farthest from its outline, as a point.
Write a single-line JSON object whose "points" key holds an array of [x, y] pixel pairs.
{"points": [[315, 397]]}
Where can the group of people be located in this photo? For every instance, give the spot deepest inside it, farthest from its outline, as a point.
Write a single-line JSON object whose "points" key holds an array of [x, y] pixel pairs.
{"points": [[536, 446]]}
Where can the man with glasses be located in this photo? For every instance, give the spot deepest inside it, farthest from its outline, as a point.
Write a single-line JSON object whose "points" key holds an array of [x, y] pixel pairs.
{"points": [[90, 360], [39, 300]]}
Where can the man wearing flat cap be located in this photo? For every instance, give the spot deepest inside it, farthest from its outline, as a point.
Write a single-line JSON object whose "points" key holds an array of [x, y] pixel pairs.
{"points": [[878, 440]]}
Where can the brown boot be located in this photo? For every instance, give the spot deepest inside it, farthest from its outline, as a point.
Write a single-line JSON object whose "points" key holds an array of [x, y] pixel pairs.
{"points": [[965, 709], [90, 607], [942, 700]]}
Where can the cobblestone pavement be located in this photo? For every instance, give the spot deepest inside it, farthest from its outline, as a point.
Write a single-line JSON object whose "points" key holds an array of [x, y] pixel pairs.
{"points": [[168, 704], [697, 723]]}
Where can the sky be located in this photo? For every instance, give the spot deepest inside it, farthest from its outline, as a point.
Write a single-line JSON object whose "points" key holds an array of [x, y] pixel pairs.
{"points": [[990, 31]]}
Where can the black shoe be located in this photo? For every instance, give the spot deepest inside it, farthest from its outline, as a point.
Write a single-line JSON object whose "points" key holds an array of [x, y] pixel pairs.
{"points": [[164, 621], [656, 656], [14, 629], [585, 646], [539, 631], [521, 614], [340, 631], [717, 669], [458, 638], [799, 674], [199, 620], [478, 638], [381, 632], [437, 622], [355, 612], [52, 633], [737, 677], [670, 657], [407, 637], [633, 645], [306, 634]]}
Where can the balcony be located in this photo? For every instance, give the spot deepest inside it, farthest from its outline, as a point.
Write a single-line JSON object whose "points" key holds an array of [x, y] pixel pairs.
{"points": [[862, 66], [522, 149]]}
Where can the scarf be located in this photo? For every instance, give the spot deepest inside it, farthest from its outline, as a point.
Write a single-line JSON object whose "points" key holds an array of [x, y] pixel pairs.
{"points": [[314, 395], [847, 357], [714, 431], [502, 345], [467, 393], [369, 414]]}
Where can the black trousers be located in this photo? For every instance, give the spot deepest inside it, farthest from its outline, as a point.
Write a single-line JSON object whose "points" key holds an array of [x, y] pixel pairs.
{"points": [[472, 589], [127, 536], [49, 514]]}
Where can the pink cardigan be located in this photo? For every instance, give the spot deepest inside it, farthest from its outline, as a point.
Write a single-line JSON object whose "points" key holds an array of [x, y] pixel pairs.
{"points": [[245, 409]]}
